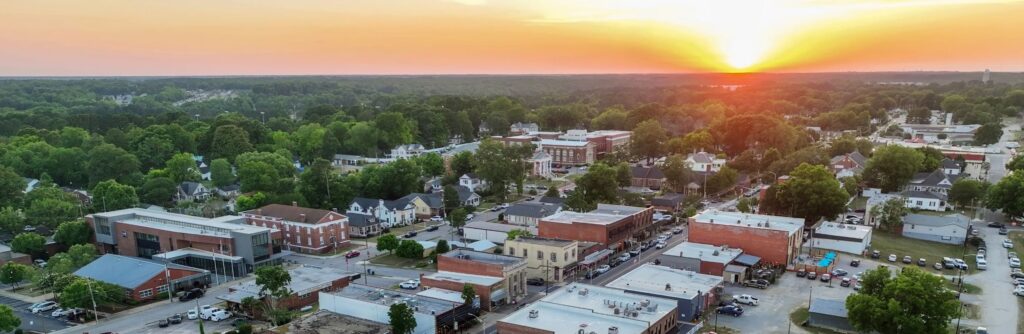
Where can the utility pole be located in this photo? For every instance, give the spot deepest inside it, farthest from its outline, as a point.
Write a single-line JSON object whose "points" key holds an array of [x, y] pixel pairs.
{"points": [[88, 283], [167, 276]]}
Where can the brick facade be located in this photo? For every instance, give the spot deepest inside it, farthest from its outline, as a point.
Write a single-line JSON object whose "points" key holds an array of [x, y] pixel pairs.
{"points": [[154, 284], [772, 246], [302, 230], [613, 235], [483, 291], [169, 241]]}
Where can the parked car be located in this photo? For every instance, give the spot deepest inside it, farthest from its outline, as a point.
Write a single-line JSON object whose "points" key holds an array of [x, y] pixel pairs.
{"points": [[624, 257], [1007, 243], [410, 284], [616, 262], [892, 258], [677, 230], [745, 299], [812, 275], [206, 311], [960, 264], [1003, 231], [603, 268], [175, 319], [635, 251], [846, 282], [982, 264], [42, 306], [535, 281], [801, 273], [876, 254], [220, 315], [1019, 291], [825, 277], [839, 273], [410, 234], [436, 219], [432, 228], [351, 254], [907, 259], [856, 287], [1018, 281], [40, 263], [937, 266], [192, 314], [996, 225], [660, 245], [1011, 255], [732, 310], [470, 217], [857, 276], [1014, 263], [62, 312], [1016, 274], [757, 283], [191, 294], [855, 263], [163, 323]]}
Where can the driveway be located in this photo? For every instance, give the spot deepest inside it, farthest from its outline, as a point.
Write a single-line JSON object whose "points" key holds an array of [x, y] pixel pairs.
{"points": [[999, 307], [42, 322]]}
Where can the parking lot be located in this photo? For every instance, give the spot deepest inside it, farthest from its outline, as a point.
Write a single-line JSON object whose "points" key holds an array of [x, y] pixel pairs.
{"points": [[41, 322]]}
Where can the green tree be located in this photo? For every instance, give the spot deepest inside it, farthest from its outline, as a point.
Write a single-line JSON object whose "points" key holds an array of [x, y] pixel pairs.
{"points": [[576, 201], [745, 205], [14, 273], [610, 119], [8, 321], [228, 142], [108, 162], [1016, 164], [458, 217], [249, 202], [50, 206], [552, 192], [1008, 195], [623, 174], [847, 144], [158, 190], [431, 164], [724, 179], [812, 193], [677, 173], [697, 141], [599, 184], [462, 163], [81, 254], [851, 184], [401, 319], [889, 215], [468, 294], [11, 220], [80, 293], [263, 171], [965, 192], [513, 234], [182, 168], [220, 173], [648, 138], [110, 195], [29, 243], [442, 247], [932, 159], [394, 129], [914, 301], [410, 249], [11, 187], [387, 242], [892, 166], [451, 198], [72, 233], [501, 166], [988, 134], [273, 282], [323, 188]]}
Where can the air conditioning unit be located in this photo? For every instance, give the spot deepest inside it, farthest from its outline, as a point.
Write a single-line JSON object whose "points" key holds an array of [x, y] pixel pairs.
{"points": [[534, 314], [613, 330]]}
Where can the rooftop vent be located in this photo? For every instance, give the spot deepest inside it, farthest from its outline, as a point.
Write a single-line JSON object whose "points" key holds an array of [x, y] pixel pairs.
{"points": [[668, 287], [534, 314], [613, 330], [715, 253], [583, 291]]}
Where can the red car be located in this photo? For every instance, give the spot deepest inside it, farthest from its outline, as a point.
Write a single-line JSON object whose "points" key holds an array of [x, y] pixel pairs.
{"points": [[351, 254]]}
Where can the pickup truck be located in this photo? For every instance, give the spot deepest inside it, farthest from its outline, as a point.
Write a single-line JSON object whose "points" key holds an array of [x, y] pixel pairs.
{"points": [[745, 299], [756, 283]]}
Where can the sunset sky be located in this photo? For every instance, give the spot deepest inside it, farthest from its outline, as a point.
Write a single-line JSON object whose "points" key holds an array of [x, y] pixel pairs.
{"points": [[257, 37]]}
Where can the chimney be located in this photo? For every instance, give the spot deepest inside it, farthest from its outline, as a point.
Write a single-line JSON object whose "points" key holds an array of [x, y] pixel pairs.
{"points": [[302, 217], [294, 203], [259, 211]]}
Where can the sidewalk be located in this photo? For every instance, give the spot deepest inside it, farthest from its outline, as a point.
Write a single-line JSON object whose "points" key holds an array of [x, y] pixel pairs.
{"points": [[24, 298], [360, 246]]}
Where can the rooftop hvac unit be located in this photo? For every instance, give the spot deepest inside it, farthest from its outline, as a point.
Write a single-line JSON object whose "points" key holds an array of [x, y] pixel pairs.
{"points": [[613, 330], [617, 311], [635, 314], [645, 302], [583, 292], [534, 314]]}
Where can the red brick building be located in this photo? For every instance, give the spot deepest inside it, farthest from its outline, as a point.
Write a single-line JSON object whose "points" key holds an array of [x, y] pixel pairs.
{"points": [[610, 225], [776, 240], [498, 279], [143, 279], [303, 230], [306, 285]]}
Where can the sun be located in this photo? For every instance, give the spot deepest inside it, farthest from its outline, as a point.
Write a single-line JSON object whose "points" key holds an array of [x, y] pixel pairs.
{"points": [[741, 56]]}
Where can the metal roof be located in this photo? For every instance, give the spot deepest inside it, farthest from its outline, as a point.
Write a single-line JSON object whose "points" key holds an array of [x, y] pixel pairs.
{"points": [[532, 210], [704, 252], [747, 260], [126, 272], [831, 307], [938, 221]]}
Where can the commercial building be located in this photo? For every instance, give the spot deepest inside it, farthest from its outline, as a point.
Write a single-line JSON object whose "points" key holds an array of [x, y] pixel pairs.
{"points": [[224, 245], [589, 308], [847, 238], [560, 152], [604, 141], [829, 313], [493, 232], [551, 259], [143, 279], [433, 316], [693, 292], [951, 229], [702, 258], [305, 285], [304, 230], [610, 225], [498, 279], [529, 214], [774, 239]]}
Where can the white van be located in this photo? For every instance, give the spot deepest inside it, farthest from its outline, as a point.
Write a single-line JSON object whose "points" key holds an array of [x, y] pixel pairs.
{"points": [[982, 264], [207, 312], [220, 315]]}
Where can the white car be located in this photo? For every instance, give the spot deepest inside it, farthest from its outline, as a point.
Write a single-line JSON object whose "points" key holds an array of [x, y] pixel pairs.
{"points": [[982, 264], [410, 284], [660, 245], [205, 311], [219, 315], [1018, 281], [624, 257], [192, 314], [42, 306], [1019, 291], [470, 217], [603, 268], [892, 257], [1014, 263], [745, 299], [1007, 243], [436, 219]]}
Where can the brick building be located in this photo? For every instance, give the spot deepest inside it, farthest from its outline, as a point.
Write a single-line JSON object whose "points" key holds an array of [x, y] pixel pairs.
{"points": [[304, 230], [432, 314], [306, 284], [225, 245], [143, 279], [498, 279], [776, 240], [610, 225], [594, 308], [604, 141], [702, 258], [551, 259], [561, 152], [646, 177]]}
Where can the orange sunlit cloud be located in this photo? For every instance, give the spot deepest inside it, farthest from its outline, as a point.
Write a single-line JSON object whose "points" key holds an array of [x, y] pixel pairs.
{"points": [[236, 37]]}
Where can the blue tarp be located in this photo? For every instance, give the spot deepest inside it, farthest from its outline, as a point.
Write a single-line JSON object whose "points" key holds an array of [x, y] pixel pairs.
{"points": [[827, 260]]}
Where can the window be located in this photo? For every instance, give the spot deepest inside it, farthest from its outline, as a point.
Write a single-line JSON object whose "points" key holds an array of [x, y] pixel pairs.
{"points": [[512, 251], [554, 257], [146, 293], [161, 288], [566, 257], [540, 255]]}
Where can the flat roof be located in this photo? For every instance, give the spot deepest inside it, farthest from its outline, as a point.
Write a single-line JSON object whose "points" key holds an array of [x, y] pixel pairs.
{"points": [[556, 142], [220, 226], [843, 230], [831, 307], [485, 257], [653, 279], [788, 224], [598, 299], [499, 227], [561, 319], [305, 279], [464, 278], [613, 209], [442, 294], [544, 241], [569, 217], [387, 297], [704, 252], [183, 252]]}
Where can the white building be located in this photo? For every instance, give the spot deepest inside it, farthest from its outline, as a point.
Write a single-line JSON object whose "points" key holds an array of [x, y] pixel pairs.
{"points": [[704, 162], [471, 181], [576, 307], [540, 164], [847, 238], [387, 213], [373, 304], [406, 151], [693, 292], [923, 200], [496, 233], [952, 229]]}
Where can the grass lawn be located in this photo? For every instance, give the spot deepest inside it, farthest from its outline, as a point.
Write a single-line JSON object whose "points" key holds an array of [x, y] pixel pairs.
{"points": [[484, 206], [545, 183], [392, 260], [889, 243], [800, 315], [859, 203], [708, 328], [972, 311], [398, 231], [29, 290], [968, 287]]}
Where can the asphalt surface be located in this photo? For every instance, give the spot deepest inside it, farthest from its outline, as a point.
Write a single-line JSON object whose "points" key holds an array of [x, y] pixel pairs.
{"points": [[41, 322]]}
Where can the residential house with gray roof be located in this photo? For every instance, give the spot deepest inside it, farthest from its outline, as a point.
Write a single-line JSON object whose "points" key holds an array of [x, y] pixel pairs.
{"points": [[951, 229], [529, 214], [388, 213]]}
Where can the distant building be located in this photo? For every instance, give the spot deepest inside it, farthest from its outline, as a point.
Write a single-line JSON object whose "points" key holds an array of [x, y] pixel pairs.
{"points": [[472, 181], [610, 225], [519, 128], [363, 225], [934, 182], [191, 191], [582, 307], [433, 315], [30, 184], [848, 165], [951, 229], [986, 77], [305, 230], [847, 238], [498, 279], [670, 202], [306, 283], [143, 279], [829, 313], [551, 259], [704, 162], [646, 177], [406, 151], [540, 164], [529, 214], [693, 292], [923, 200], [494, 232], [388, 213], [702, 258], [774, 239]]}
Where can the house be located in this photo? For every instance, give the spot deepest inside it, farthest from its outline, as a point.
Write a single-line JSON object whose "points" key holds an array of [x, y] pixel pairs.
{"points": [[775, 239], [847, 238], [143, 279], [951, 229], [304, 288], [305, 230], [704, 162], [494, 232], [204, 171], [519, 128], [581, 307], [433, 315], [498, 279], [702, 258], [951, 167], [388, 213], [229, 191], [529, 214], [540, 164], [669, 202], [646, 177], [426, 205], [610, 225], [692, 292], [340, 160], [406, 151], [552, 200], [433, 185], [363, 225], [471, 181], [551, 259], [830, 314], [923, 200], [848, 165], [935, 182], [30, 184], [467, 197], [7, 255], [83, 196], [191, 191]]}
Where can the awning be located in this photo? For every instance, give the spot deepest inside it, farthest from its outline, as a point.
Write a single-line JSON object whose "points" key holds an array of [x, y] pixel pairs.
{"points": [[747, 260], [499, 295], [593, 258], [732, 268]]}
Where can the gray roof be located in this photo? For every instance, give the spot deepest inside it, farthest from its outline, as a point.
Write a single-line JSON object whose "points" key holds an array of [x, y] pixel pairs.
{"points": [[937, 221], [373, 203], [464, 193], [230, 187], [532, 210], [360, 219], [670, 199], [747, 260], [126, 272], [833, 307], [434, 201], [189, 187], [552, 200], [933, 179], [923, 194], [950, 164], [641, 172], [491, 258], [702, 157]]}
